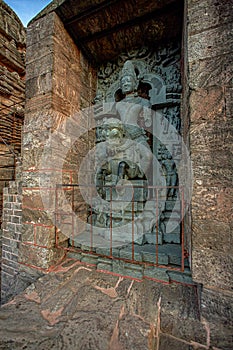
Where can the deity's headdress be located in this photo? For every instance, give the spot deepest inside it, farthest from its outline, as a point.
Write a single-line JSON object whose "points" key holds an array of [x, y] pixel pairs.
{"points": [[113, 122], [129, 70]]}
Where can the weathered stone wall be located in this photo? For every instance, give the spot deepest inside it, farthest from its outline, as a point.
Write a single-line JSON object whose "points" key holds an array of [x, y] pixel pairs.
{"points": [[209, 48], [12, 98], [12, 92], [11, 237]]}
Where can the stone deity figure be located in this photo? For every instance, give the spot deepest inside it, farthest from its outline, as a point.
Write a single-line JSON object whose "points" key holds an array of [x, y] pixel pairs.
{"points": [[169, 168], [119, 160], [120, 157], [123, 160], [133, 106]]}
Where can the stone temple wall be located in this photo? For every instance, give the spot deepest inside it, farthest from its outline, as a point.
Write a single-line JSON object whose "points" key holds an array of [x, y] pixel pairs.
{"points": [[12, 91], [12, 100], [210, 47], [209, 124]]}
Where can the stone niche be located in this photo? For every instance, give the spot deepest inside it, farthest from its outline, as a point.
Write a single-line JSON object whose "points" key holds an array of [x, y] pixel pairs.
{"points": [[69, 92], [150, 38], [152, 214]]}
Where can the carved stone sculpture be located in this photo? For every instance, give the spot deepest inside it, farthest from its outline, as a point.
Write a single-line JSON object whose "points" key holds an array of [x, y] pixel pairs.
{"points": [[123, 151], [169, 169], [132, 105], [119, 158]]}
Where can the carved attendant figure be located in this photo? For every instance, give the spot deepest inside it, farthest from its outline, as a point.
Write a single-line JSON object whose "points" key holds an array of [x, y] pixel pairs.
{"points": [[169, 168]]}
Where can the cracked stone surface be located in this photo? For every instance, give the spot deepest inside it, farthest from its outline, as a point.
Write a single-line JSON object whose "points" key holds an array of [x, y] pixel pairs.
{"points": [[76, 307]]}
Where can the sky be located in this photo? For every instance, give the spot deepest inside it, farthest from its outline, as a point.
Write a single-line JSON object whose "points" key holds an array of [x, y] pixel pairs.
{"points": [[27, 9]]}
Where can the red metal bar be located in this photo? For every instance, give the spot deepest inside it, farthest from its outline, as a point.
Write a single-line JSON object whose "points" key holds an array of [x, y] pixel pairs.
{"points": [[56, 219], [133, 227], [91, 224], [110, 222], [157, 228], [182, 230], [72, 216]]}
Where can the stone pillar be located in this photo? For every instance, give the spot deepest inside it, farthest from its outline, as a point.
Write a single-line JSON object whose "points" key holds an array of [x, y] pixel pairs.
{"points": [[207, 122], [59, 83], [210, 46]]}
